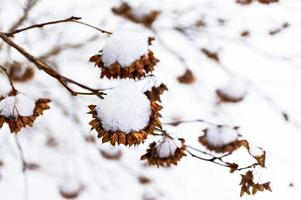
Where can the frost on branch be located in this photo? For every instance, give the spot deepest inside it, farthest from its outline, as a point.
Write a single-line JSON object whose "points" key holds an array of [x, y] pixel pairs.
{"points": [[142, 14], [234, 91], [221, 139], [126, 55], [125, 116], [19, 110], [165, 153]]}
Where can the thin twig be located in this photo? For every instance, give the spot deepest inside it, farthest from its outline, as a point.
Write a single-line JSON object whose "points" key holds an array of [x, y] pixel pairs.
{"points": [[41, 65], [178, 122], [24, 167], [8, 77], [23, 18], [72, 19]]}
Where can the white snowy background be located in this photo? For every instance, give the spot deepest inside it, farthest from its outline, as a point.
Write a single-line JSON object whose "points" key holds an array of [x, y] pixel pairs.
{"points": [[269, 65]]}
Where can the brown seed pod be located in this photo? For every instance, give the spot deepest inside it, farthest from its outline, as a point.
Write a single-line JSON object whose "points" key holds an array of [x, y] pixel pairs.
{"points": [[244, 2], [187, 78], [211, 54], [111, 154], [17, 123], [268, 1], [136, 70], [153, 156], [18, 74], [126, 11], [222, 148], [71, 191], [155, 92], [120, 137], [227, 98]]}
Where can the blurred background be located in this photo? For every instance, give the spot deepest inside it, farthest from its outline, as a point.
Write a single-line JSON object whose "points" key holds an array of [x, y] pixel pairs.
{"points": [[203, 45]]}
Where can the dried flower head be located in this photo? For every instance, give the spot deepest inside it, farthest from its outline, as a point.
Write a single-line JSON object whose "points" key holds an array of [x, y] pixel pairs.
{"points": [[268, 1], [249, 187], [19, 73], [155, 92], [112, 153], [71, 189], [221, 139], [141, 14], [244, 2], [126, 55], [233, 92], [211, 54], [247, 2], [19, 111], [187, 78], [165, 153], [258, 153], [125, 116]]}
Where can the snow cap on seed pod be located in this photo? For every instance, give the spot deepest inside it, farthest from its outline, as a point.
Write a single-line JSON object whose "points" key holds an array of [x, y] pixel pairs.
{"points": [[19, 110], [166, 152], [222, 139], [71, 189], [125, 116], [142, 13], [258, 153], [126, 54], [234, 91]]}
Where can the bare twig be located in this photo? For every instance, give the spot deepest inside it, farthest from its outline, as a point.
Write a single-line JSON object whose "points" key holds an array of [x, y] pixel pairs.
{"points": [[41, 65], [23, 18], [72, 19], [24, 167], [8, 77], [178, 122]]}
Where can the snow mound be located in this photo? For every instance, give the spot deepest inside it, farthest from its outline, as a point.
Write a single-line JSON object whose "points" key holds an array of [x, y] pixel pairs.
{"points": [[19, 105], [124, 48], [220, 136], [143, 9], [235, 88], [167, 148], [70, 189], [124, 108]]}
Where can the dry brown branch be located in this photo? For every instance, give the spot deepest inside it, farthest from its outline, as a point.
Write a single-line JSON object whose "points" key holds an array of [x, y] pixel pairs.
{"points": [[67, 20], [41, 65], [30, 4]]}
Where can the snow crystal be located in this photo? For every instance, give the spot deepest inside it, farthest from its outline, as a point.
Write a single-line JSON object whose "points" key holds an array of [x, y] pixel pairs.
{"points": [[13, 106], [220, 136], [124, 108], [124, 47], [167, 148], [235, 88]]}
